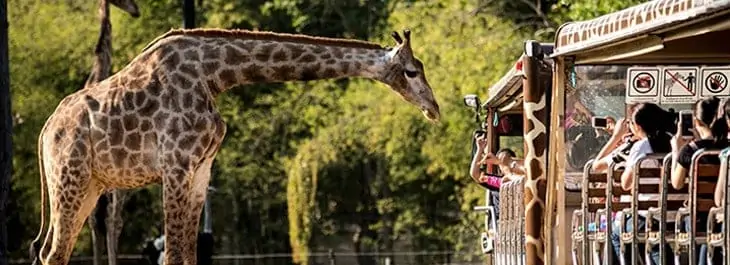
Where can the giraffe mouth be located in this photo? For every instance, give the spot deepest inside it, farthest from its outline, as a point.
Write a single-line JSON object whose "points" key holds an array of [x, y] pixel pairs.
{"points": [[431, 115]]}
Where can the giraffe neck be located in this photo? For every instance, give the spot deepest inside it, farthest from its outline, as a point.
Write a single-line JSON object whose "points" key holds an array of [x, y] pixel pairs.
{"points": [[225, 61]]}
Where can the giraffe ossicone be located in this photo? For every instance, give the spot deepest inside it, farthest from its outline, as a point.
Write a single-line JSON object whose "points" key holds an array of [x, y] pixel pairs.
{"points": [[155, 121]]}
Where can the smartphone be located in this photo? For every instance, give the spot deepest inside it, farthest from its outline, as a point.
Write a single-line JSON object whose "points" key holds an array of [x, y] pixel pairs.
{"points": [[599, 122], [685, 121]]}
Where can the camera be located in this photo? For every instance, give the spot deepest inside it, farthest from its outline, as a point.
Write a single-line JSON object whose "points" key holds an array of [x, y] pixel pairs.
{"points": [[685, 121], [599, 122]]}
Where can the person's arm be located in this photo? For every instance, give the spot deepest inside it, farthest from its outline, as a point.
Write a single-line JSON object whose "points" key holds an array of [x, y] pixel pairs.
{"points": [[475, 171], [603, 159], [681, 160]]}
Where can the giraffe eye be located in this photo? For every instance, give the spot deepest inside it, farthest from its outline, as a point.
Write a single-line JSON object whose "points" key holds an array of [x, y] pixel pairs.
{"points": [[410, 74]]}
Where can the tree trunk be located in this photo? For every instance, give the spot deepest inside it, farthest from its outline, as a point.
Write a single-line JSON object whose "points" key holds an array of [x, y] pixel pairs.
{"points": [[6, 128], [97, 240], [114, 222], [385, 233]]}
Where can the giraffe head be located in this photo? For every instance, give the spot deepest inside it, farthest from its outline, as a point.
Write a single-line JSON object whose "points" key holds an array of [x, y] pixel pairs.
{"points": [[405, 75], [128, 6]]}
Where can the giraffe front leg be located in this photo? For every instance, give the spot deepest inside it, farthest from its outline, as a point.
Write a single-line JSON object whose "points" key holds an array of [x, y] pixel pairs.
{"points": [[198, 193], [73, 205], [176, 203]]}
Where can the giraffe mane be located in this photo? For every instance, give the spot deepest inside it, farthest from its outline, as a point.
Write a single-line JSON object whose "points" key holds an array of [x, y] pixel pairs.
{"points": [[266, 35]]}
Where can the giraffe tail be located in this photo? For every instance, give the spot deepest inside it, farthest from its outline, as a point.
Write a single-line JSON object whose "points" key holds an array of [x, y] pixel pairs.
{"points": [[35, 246]]}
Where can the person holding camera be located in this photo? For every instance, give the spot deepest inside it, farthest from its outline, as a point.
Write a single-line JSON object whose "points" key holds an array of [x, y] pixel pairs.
{"points": [[647, 131], [504, 159], [711, 132]]}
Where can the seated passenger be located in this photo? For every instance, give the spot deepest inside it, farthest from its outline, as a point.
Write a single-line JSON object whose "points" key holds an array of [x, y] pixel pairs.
{"points": [[647, 131], [724, 114], [712, 132]]}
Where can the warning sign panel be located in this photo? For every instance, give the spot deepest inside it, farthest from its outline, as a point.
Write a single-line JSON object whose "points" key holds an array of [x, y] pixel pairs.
{"points": [[680, 85], [714, 81], [643, 84]]}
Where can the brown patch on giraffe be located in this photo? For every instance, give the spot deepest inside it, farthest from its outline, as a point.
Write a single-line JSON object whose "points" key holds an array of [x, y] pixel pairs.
{"points": [[115, 110], [139, 97], [133, 141], [337, 52], [263, 53], [329, 72], [173, 128], [200, 125], [370, 62], [309, 72], [185, 43], [198, 151], [161, 119], [325, 56], [191, 55], [92, 103], [188, 69], [200, 105], [209, 68], [102, 147], [253, 73], [248, 46], [187, 142], [284, 72], [279, 56], [59, 135], [187, 100], [307, 58], [228, 78], [130, 122], [182, 81], [235, 56], [330, 61], [116, 132], [296, 50], [171, 60], [154, 87], [128, 101], [146, 125], [119, 155], [345, 66], [211, 52], [103, 122], [317, 49], [149, 109], [358, 65]]}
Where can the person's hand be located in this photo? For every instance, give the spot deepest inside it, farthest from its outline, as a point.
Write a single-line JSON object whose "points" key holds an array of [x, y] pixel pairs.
{"points": [[678, 142], [481, 141], [622, 127]]}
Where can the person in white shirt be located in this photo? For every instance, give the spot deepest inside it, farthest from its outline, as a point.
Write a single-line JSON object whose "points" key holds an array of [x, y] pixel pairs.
{"points": [[648, 130]]}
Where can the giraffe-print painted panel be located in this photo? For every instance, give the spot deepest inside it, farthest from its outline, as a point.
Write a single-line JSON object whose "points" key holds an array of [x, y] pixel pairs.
{"points": [[575, 36]]}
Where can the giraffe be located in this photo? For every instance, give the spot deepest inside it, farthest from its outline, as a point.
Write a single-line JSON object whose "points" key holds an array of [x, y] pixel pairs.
{"points": [[100, 71], [155, 121], [535, 138]]}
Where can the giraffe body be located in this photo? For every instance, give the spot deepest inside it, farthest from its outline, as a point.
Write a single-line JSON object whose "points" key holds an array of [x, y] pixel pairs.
{"points": [[155, 121]]}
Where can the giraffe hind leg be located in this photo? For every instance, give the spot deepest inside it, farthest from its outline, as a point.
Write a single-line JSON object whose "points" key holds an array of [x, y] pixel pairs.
{"points": [[72, 205], [198, 193]]}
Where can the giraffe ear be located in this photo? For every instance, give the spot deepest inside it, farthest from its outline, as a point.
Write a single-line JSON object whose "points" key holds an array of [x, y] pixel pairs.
{"points": [[397, 37], [407, 34]]}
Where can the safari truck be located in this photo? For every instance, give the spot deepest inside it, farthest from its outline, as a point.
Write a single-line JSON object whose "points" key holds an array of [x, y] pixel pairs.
{"points": [[668, 52], [503, 122]]}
